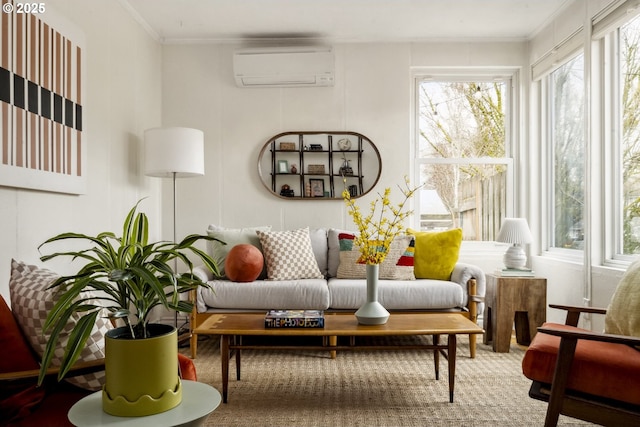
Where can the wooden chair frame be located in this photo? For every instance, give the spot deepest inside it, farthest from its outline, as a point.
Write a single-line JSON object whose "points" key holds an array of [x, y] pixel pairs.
{"points": [[79, 368], [580, 405]]}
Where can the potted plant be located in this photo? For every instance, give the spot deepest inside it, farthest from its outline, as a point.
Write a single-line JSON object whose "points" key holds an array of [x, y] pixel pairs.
{"points": [[126, 277], [377, 231]]}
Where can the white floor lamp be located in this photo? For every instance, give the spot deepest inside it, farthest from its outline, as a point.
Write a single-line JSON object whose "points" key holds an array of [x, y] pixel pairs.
{"points": [[174, 152]]}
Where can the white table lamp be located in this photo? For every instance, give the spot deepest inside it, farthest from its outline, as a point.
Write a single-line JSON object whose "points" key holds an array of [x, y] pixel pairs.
{"points": [[515, 231], [174, 152]]}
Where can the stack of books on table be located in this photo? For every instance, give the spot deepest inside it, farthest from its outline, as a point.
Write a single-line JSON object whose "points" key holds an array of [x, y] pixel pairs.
{"points": [[294, 319], [515, 272]]}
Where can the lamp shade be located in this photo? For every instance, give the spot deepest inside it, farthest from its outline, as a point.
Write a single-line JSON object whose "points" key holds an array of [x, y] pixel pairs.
{"points": [[515, 230], [173, 151]]}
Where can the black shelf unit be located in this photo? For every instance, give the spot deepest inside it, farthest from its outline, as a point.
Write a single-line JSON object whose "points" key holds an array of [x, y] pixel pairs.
{"points": [[330, 156]]}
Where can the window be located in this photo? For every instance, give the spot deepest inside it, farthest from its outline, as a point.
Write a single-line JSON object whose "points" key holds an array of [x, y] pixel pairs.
{"points": [[567, 154], [462, 132], [629, 157]]}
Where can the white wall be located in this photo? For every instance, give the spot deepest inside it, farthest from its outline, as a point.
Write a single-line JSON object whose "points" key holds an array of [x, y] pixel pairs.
{"points": [[122, 98], [372, 95]]}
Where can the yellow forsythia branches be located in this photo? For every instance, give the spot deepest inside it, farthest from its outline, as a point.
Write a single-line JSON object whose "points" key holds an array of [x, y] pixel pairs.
{"points": [[382, 224]]}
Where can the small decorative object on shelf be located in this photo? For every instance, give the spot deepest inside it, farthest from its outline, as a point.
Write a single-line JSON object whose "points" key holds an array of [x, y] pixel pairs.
{"points": [[316, 169], [294, 319], [315, 147], [286, 191], [353, 190], [344, 144], [287, 146], [294, 169], [307, 190], [346, 168]]}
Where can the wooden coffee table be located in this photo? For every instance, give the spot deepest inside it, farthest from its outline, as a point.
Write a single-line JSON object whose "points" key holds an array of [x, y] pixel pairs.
{"points": [[231, 327]]}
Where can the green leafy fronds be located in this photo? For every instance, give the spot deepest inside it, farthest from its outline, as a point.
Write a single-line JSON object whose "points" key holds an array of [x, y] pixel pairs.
{"points": [[126, 276]]}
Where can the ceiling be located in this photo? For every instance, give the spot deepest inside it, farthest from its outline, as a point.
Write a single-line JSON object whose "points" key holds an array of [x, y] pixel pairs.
{"points": [[188, 21]]}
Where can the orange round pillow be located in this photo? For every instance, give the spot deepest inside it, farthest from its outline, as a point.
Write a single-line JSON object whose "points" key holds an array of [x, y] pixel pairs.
{"points": [[244, 263]]}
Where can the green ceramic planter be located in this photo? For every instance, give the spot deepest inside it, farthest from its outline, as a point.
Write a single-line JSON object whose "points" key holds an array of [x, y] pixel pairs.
{"points": [[141, 374]]}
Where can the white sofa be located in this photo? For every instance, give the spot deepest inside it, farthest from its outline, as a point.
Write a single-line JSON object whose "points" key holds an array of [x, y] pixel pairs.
{"points": [[463, 292]]}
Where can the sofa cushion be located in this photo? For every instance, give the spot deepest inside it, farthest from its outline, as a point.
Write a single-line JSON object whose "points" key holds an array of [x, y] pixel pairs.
{"points": [[350, 294], [32, 301], [289, 255], [397, 265], [18, 398], [436, 253], [320, 248], [623, 313], [600, 368], [233, 237], [303, 294], [333, 254]]}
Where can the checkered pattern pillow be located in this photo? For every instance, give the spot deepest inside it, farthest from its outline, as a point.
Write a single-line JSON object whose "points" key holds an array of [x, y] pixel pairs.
{"points": [[289, 255], [397, 265], [31, 301]]}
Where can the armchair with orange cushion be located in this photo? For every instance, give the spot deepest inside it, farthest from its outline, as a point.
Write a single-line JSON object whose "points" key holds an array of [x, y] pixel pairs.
{"points": [[22, 402], [590, 375]]}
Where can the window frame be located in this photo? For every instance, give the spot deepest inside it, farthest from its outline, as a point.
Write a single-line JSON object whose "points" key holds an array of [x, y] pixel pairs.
{"points": [[512, 113], [576, 255], [612, 115]]}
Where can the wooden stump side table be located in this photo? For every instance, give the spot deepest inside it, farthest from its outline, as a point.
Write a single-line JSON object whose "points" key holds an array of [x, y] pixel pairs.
{"points": [[522, 300]]}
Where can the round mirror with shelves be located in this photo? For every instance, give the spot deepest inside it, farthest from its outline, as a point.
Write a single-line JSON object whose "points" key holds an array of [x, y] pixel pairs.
{"points": [[319, 165]]}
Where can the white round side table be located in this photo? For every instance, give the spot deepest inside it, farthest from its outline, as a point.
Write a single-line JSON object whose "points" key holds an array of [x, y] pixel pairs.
{"points": [[198, 401]]}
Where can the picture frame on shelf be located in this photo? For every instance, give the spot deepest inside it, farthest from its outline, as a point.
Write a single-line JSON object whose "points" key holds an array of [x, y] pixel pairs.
{"points": [[317, 187], [283, 166]]}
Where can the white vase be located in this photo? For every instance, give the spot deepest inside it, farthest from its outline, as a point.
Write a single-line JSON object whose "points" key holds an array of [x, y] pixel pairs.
{"points": [[372, 312]]}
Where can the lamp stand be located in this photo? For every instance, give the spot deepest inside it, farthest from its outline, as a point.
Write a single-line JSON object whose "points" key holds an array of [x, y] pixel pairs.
{"points": [[185, 336], [175, 237], [515, 257], [174, 152]]}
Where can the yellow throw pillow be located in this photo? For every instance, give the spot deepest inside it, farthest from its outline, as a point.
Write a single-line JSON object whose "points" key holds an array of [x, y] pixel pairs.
{"points": [[623, 313], [436, 253]]}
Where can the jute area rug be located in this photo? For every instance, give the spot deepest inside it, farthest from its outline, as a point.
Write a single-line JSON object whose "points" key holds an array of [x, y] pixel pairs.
{"points": [[367, 388]]}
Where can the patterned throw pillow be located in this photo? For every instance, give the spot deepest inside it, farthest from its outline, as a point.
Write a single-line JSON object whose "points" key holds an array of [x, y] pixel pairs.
{"points": [[289, 255], [31, 302], [397, 265]]}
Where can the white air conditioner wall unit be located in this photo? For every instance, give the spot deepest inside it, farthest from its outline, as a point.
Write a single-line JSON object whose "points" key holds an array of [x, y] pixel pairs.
{"points": [[284, 66]]}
